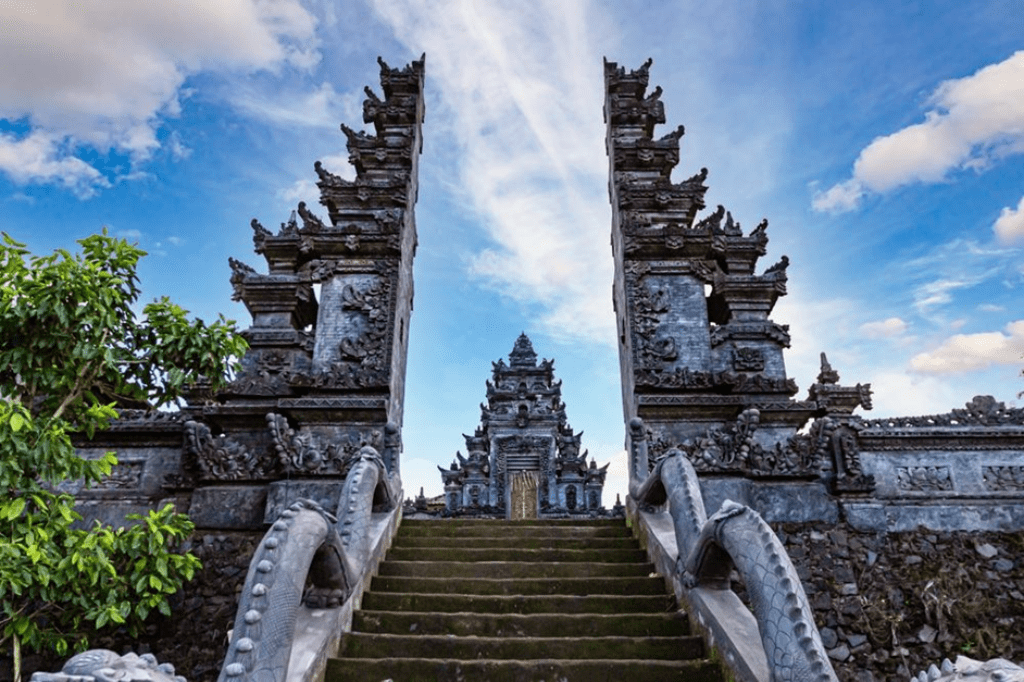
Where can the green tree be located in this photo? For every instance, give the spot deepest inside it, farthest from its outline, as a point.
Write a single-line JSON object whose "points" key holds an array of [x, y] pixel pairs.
{"points": [[72, 348]]}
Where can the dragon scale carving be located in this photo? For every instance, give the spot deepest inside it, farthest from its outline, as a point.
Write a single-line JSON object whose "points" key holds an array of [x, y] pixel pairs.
{"points": [[305, 541], [735, 536]]}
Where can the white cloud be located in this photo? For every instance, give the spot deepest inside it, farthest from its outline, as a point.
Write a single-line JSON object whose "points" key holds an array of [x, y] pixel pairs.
{"points": [[103, 75], [887, 328], [1009, 227], [969, 352], [839, 198], [40, 157], [532, 166], [973, 122]]}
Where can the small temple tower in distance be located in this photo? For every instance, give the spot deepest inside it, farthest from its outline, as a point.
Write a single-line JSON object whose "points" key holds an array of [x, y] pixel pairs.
{"points": [[524, 459]]}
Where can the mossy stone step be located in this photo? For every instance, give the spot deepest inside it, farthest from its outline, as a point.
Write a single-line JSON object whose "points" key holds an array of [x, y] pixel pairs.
{"points": [[522, 625], [512, 569], [629, 556], [371, 645], [523, 586], [452, 603], [521, 601], [440, 529], [445, 670], [546, 523], [518, 542]]}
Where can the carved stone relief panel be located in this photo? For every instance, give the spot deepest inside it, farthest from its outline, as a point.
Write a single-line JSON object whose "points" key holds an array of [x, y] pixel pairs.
{"points": [[1006, 478], [353, 344], [321, 450], [748, 360], [223, 458], [668, 320], [924, 479]]}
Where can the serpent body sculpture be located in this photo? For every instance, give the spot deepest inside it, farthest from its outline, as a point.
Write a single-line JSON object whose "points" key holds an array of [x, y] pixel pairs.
{"points": [[305, 540], [735, 536]]}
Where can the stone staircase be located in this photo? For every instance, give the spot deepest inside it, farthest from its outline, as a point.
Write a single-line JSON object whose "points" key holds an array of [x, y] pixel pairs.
{"points": [[534, 600]]}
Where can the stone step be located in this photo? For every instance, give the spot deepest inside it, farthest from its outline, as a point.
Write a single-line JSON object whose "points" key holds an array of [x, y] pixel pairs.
{"points": [[454, 603], [519, 586], [369, 645], [443, 670], [519, 529], [512, 569], [522, 625], [521, 601], [409, 524], [520, 542], [629, 556]]}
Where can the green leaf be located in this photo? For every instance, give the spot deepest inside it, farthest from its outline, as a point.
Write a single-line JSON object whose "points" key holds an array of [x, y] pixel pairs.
{"points": [[17, 422], [14, 509]]}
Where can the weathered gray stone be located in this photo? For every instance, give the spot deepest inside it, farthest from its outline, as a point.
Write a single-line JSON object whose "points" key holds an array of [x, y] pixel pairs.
{"points": [[234, 507]]}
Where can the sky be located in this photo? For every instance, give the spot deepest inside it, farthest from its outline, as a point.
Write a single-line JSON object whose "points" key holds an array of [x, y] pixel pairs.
{"points": [[884, 142]]}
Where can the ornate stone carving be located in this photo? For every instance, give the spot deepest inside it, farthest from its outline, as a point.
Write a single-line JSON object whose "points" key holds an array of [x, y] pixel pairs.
{"points": [[1004, 478], [685, 379], [263, 373], [373, 302], [747, 360], [123, 476], [103, 665], [982, 410], [307, 453], [751, 331], [650, 306], [924, 479], [735, 537], [734, 449], [970, 670], [220, 457]]}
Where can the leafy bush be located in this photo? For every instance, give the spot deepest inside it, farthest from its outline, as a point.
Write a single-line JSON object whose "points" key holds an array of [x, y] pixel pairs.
{"points": [[72, 350]]}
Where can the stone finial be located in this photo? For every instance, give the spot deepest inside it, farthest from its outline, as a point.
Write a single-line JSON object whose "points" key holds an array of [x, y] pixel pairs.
{"points": [[827, 375]]}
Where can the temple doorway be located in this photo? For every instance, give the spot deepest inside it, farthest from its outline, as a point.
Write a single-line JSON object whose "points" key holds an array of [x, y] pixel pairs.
{"points": [[523, 495]]}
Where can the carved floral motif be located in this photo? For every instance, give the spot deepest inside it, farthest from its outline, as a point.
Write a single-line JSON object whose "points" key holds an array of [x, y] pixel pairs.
{"points": [[221, 457], [306, 453], [924, 479], [1004, 478], [733, 448], [748, 360]]}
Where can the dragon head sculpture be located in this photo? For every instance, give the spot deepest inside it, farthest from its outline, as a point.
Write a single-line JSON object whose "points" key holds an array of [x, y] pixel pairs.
{"points": [[995, 670]]}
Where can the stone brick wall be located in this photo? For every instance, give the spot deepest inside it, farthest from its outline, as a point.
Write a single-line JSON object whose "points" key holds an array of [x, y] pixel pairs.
{"points": [[891, 605]]}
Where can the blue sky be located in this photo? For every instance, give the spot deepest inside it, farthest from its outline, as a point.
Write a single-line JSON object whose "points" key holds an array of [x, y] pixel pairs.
{"points": [[883, 141]]}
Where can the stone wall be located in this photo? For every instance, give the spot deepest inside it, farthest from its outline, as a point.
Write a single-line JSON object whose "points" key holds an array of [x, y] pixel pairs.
{"points": [[892, 604], [194, 639]]}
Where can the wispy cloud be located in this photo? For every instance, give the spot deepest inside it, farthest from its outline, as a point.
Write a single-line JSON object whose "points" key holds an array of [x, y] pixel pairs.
{"points": [[970, 352], [41, 157], [321, 107], [70, 76], [972, 122], [960, 264], [532, 162]]}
